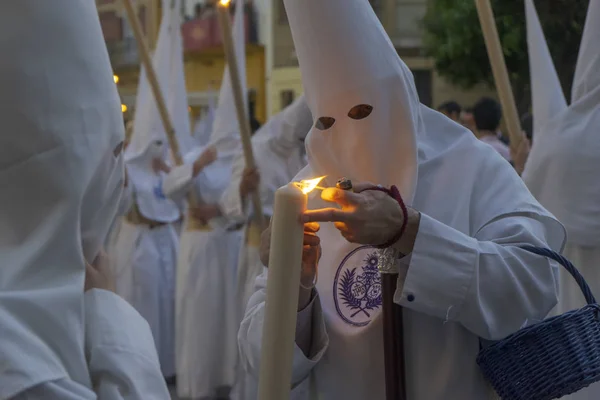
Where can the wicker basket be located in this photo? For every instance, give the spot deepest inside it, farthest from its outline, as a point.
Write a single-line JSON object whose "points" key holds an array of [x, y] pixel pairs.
{"points": [[549, 360]]}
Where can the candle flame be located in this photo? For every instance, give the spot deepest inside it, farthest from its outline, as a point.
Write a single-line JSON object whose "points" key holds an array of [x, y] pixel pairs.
{"points": [[225, 3], [309, 185]]}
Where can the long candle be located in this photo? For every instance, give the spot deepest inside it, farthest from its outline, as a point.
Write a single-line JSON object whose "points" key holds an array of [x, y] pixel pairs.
{"points": [[499, 70], [244, 123], [283, 285]]}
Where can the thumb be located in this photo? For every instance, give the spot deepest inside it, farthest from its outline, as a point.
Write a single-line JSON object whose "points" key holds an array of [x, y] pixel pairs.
{"points": [[342, 197]]}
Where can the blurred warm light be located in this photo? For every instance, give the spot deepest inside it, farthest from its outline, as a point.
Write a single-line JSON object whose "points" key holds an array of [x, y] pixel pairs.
{"points": [[123, 108], [225, 3], [116, 78], [189, 109]]}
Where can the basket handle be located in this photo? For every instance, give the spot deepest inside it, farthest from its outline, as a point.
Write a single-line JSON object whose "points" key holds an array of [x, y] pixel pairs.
{"points": [[587, 293]]}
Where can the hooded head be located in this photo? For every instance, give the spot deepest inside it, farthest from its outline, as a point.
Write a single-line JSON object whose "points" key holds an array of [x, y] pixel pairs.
{"points": [[61, 171], [286, 131], [587, 71], [547, 95], [361, 95], [149, 139], [204, 124]]}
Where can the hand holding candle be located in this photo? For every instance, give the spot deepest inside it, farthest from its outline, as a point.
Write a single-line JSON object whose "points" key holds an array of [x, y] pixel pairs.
{"points": [[287, 253]]}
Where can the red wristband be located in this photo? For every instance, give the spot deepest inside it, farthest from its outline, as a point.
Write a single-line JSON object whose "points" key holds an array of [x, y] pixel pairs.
{"points": [[395, 194]]}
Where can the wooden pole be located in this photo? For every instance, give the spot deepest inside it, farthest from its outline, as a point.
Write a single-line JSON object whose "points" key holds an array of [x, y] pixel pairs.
{"points": [[393, 339], [242, 116], [153, 80], [496, 56]]}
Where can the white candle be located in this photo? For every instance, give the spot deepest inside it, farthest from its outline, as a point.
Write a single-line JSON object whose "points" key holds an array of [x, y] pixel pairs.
{"points": [[283, 286]]}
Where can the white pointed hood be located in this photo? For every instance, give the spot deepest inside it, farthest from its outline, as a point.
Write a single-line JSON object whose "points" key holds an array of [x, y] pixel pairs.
{"points": [[562, 169], [204, 125], [587, 72], [149, 139], [60, 179], [547, 94], [362, 98], [226, 131], [286, 132]]}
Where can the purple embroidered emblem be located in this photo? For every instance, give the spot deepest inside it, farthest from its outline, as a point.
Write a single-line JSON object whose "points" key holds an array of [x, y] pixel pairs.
{"points": [[357, 286]]}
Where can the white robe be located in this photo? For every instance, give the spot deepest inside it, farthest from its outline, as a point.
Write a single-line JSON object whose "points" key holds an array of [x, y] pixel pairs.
{"points": [[121, 357], [466, 280], [206, 318], [153, 262]]}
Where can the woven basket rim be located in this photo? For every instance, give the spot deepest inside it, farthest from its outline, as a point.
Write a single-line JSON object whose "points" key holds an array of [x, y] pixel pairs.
{"points": [[562, 318]]}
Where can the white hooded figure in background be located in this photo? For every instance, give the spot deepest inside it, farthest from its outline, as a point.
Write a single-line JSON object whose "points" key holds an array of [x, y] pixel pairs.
{"points": [[462, 275], [280, 155], [206, 319], [562, 169], [204, 126], [150, 226], [61, 173]]}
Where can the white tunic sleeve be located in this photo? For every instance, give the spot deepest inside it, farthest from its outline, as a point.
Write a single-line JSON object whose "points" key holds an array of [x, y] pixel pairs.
{"points": [[250, 335], [178, 182], [121, 355], [486, 282]]}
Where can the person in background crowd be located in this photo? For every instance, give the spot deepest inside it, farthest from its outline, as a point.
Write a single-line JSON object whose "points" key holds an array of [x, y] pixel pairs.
{"points": [[451, 109], [487, 114], [467, 119]]}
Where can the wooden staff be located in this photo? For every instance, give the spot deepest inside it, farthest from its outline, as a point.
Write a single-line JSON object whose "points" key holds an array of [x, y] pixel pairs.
{"points": [[499, 70], [153, 80], [242, 117], [393, 339]]}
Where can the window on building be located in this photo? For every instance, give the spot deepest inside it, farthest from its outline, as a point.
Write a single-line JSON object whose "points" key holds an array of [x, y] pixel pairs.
{"points": [[287, 98], [424, 84]]}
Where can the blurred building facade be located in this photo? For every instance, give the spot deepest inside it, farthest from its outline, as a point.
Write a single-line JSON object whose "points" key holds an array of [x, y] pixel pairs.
{"points": [[401, 19], [272, 66]]}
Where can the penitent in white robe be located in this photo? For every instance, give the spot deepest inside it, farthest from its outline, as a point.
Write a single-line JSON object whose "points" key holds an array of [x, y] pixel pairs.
{"points": [[464, 280], [562, 169], [206, 319]]}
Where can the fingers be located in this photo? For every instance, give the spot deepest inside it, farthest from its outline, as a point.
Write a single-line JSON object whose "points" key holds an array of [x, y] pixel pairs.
{"points": [[342, 197], [362, 186], [311, 240], [312, 227], [325, 215]]}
